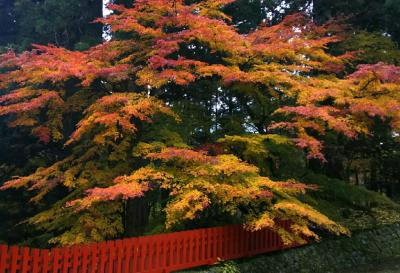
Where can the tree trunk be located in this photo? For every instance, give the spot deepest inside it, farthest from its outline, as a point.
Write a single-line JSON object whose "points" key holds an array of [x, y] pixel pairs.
{"points": [[137, 212]]}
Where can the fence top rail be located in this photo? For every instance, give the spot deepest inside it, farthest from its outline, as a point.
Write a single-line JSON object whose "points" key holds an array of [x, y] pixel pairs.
{"points": [[138, 238], [154, 237]]}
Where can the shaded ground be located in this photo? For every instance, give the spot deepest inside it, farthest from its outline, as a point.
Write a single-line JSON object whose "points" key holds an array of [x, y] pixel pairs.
{"points": [[392, 266]]}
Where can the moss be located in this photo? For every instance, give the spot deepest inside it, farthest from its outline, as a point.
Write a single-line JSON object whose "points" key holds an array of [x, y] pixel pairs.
{"points": [[352, 206]]}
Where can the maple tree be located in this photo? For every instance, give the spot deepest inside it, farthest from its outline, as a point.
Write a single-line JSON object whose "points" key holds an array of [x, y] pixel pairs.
{"points": [[198, 182], [127, 96]]}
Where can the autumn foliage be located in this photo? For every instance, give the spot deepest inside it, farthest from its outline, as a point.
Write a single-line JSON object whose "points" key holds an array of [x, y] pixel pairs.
{"points": [[121, 98]]}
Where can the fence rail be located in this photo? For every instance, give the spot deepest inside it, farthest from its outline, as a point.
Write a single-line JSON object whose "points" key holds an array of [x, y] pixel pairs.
{"points": [[153, 254]]}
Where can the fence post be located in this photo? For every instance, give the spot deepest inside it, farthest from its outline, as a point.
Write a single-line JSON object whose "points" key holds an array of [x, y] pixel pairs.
{"points": [[75, 253], [36, 261], [26, 258], [45, 254], [120, 254], [4, 265], [111, 257]]}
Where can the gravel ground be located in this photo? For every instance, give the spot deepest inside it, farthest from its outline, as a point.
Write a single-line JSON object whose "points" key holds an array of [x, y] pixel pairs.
{"points": [[392, 266]]}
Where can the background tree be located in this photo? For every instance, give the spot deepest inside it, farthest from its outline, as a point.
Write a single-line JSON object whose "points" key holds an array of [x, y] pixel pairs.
{"points": [[7, 25], [367, 15], [64, 23]]}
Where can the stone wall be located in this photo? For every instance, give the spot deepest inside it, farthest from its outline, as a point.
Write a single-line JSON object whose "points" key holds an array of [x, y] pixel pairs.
{"points": [[328, 256]]}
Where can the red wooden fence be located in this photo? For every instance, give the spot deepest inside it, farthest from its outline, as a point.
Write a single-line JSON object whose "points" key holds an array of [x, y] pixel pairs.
{"points": [[157, 253]]}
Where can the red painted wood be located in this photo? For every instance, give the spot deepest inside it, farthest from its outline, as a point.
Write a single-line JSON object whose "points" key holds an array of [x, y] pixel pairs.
{"points": [[149, 252], [158, 252], [56, 260], [193, 247], [204, 243], [154, 254], [119, 256], [35, 261], [217, 243], [66, 262], [196, 239], [4, 264], [135, 256], [257, 240], [222, 243], [233, 242], [126, 258], [45, 261], [75, 255], [142, 244], [111, 251], [15, 259], [178, 249], [167, 251], [228, 242], [91, 265], [179, 256], [83, 262], [161, 251], [26, 259], [103, 251], [214, 245], [175, 251], [188, 247]]}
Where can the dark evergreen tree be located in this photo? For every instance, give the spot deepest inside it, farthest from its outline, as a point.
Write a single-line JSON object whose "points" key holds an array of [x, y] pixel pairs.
{"points": [[370, 15], [7, 22], [60, 22]]}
